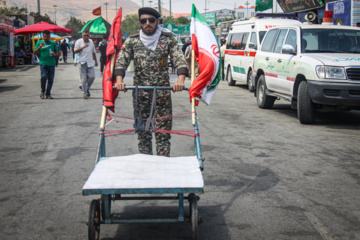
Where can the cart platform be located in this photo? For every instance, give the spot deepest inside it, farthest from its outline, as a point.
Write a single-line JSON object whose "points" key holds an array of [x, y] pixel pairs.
{"points": [[145, 174]]}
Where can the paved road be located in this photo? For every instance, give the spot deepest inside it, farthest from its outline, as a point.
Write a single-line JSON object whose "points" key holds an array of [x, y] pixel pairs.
{"points": [[266, 176]]}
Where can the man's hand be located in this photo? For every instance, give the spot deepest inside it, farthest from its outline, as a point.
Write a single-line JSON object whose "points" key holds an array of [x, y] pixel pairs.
{"points": [[179, 86], [42, 44], [119, 85], [75, 63]]}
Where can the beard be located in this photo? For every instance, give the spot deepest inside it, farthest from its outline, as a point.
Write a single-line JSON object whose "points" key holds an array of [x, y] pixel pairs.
{"points": [[149, 29]]}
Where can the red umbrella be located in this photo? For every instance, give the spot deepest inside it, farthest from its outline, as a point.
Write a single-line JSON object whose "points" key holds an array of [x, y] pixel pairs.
{"points": [[40, 27]]}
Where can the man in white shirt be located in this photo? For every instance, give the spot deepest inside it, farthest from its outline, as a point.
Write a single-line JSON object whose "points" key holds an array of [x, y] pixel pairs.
{"points": [[85, 49]]}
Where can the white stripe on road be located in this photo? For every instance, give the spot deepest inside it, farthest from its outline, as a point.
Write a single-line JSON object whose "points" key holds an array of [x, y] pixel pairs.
{"points": [[319, 226]]}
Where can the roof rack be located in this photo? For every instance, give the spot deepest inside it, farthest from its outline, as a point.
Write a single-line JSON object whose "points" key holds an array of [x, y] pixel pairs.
{"points": [[276, 15]]}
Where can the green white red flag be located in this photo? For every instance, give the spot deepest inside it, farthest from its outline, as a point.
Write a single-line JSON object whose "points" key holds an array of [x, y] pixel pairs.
{"points": [[206, 48]]}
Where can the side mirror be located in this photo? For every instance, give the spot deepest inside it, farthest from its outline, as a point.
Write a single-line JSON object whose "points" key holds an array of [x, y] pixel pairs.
{"points": [[288, 49], [252, 45]]}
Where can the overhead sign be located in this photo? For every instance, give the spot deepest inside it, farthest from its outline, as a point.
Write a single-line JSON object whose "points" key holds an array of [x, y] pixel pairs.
{"points": [[292, 6], [210, 19], [184, 29]]}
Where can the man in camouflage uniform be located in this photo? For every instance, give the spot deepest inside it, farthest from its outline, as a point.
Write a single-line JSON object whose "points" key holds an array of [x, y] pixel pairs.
{"points": [[150, 49]]}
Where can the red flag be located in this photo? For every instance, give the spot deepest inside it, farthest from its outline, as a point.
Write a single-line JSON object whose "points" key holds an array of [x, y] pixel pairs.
{"points": [[97, 11], [112, 52]]}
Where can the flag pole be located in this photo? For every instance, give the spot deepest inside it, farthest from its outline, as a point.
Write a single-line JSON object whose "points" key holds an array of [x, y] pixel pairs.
{"points": [[192, 80]]}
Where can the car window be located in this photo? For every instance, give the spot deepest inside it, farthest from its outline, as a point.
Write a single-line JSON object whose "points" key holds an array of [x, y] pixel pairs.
{"points": [[291, 39], [261, 36], [269, 39], [228, 42], [330, 40], [235, 42], [280, 40], [244, 41], [253, 39]]}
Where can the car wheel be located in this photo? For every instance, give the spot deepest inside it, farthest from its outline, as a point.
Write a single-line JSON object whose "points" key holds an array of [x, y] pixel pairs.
{"points": [[262, 99], [229, 79], [305, 107], [249, 82]]}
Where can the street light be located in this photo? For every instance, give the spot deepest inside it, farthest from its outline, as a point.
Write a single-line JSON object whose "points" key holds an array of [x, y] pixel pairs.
{"points": [[55, 12], [150, 2]]}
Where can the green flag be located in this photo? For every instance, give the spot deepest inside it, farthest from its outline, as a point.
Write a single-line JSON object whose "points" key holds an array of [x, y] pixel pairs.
{"points": [[262, 5]]}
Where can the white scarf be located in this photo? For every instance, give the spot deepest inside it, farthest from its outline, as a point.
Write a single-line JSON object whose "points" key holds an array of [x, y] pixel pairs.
{"points": [[151, 42]]}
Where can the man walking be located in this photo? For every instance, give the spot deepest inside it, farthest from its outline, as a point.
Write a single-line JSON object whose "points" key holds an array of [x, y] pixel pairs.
{"points": [[102, 48], [64, 48], [47, 52], [150, 49], [87, 62]]}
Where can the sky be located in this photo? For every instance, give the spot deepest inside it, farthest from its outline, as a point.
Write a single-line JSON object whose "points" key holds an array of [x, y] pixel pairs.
{"points": [[184, 6]]}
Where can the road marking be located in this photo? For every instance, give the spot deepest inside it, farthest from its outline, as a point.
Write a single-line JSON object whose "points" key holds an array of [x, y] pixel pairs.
{"points": [[319, 226]]}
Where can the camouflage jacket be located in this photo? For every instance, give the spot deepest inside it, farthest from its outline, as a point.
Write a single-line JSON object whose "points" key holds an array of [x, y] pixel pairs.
{"points": [[151, 67]]}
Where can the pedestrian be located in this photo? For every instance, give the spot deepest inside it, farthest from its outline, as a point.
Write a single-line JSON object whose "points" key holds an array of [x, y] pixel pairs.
{"points": [[64, 48], [87, 62], [72, 47], [150, 49], [47, 51], [184, 47], [222, 53], [102, 48]]}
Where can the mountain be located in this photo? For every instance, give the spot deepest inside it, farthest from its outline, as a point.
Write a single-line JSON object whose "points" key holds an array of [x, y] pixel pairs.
{"points": [[81, 9]]}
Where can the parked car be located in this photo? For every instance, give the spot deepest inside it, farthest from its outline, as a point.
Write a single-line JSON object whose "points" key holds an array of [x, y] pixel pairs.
{"points": [[314, 67]]}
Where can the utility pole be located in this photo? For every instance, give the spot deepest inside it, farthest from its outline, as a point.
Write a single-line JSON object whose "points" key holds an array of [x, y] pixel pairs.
{"points": [[106, 4], [55, 13], [27, 15], [38, 6], [247, 9], [205, 9], [115, 7], [142, 3], [170, 8], [159, 4]]}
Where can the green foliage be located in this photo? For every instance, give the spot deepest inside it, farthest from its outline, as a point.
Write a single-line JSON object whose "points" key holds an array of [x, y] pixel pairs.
{"points": [[12, 11], [75, 25], [41, 18], [130, 24], [182, 21]]}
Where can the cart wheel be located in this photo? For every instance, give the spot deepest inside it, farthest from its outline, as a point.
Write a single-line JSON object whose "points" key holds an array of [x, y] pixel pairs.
{"points": [[194, 216], [94, 220]]}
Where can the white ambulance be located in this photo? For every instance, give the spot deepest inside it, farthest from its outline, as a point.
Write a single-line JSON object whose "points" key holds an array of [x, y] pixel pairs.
{"points": [[239, 57], [314, 67]]}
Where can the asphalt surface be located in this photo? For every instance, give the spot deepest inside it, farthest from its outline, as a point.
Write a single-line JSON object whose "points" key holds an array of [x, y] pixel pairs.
{"points": [[266, 176]]}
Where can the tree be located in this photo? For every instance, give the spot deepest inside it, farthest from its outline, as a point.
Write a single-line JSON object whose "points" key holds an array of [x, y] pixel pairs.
{"points": [[12, 11], [75, 25], [41, 18], [182, 21], [130, 24]]}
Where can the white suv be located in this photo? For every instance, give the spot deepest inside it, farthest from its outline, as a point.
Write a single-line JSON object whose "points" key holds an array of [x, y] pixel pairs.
{"points": [[315, 67]]}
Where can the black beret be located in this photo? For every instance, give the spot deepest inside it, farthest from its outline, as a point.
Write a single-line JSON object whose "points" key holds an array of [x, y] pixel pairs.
{"points": [[150, 11]]}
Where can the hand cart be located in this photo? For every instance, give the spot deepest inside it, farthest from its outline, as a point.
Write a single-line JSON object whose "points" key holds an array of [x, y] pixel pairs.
{"points": [[115, 177]]}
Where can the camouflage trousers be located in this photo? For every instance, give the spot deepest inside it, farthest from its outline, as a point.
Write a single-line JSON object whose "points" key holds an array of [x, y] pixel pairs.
{"points": [[163, 109]]}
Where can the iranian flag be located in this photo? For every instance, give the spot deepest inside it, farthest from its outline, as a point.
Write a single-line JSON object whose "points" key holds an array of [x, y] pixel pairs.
{"points": [[206, 48]]}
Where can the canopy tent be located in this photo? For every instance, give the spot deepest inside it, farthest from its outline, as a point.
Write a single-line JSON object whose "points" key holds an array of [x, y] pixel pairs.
{"points": [[52, 37], [97, 26], [40, 27]]}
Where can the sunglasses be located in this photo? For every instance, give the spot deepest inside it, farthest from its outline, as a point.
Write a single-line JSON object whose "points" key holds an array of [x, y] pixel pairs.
{"points": [[144, 20]]}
